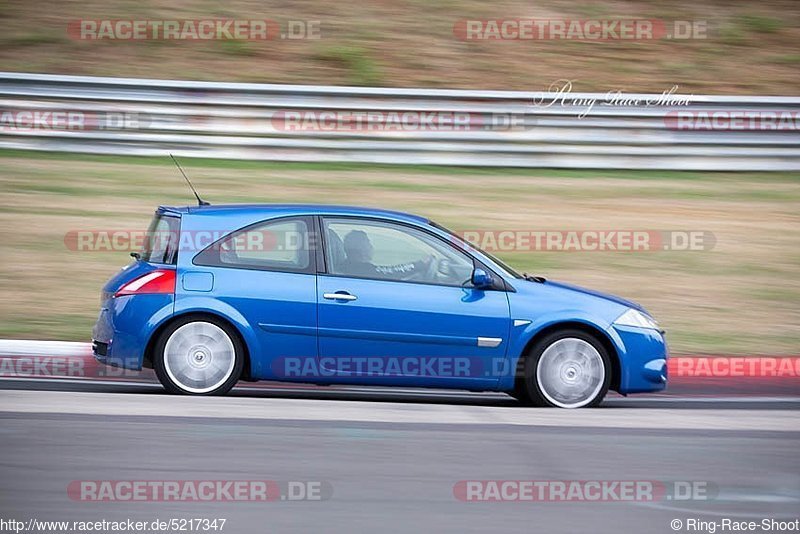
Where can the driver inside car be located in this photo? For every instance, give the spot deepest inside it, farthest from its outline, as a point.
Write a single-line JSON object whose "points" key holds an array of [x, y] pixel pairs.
{"points": [[358, 261]]}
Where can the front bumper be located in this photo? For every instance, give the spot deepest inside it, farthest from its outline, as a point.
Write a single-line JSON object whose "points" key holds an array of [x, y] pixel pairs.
{"points": [[643, 359]]}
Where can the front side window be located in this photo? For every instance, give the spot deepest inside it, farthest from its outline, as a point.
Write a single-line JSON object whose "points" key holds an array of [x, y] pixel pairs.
{"points": [[280, 245], [385, 251], [461, 242]]}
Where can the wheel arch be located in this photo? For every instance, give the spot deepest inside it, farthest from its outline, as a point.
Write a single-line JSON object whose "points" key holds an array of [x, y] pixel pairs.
{"points": [[147, 360], [594, 331]]}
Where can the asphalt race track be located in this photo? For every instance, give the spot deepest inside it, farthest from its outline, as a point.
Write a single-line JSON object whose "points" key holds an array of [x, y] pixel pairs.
{"points": [[394, 453]]}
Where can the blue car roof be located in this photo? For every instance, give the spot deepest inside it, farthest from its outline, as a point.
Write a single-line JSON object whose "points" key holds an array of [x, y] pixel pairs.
{"points": [[294, 209]]}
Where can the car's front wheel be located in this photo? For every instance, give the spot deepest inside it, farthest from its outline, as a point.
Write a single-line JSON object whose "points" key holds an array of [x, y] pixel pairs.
{"points": [[198, 356], [567, 369]]}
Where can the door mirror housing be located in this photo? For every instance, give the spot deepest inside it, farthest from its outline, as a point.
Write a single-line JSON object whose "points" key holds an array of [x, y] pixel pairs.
{"points": [[481, 279]]}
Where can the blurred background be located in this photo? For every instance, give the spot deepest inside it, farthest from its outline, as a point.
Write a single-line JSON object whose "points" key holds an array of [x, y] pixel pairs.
{"points": [[749, 48], [553, 173]]}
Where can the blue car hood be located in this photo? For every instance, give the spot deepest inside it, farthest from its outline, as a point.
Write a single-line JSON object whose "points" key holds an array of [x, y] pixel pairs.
{"points": [[592, 292]]}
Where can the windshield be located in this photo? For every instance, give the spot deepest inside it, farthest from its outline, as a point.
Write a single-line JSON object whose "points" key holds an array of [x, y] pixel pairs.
{"points": [[161, 241], [467, 246]]}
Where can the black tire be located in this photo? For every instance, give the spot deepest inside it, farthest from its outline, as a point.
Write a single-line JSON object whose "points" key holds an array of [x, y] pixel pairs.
{"points": [[540, 397], [520, 391], [521, 396], [174, 386]]}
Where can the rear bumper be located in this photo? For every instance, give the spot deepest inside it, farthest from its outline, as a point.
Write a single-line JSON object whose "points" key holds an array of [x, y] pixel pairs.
{"points": [[125, 326], [643, 359]]}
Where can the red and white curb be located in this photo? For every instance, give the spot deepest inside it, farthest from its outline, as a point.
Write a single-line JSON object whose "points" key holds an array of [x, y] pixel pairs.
{"points": [[26, 347]]}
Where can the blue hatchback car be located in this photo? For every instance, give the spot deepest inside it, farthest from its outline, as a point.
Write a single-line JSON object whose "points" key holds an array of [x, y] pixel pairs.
{"points": [[345, 295]]}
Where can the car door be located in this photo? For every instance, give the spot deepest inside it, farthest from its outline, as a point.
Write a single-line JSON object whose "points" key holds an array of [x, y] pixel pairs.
{"points": [[395, 306]]}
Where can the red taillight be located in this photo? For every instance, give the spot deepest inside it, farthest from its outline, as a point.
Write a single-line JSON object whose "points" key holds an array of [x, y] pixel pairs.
{"points": [[160, 281]]}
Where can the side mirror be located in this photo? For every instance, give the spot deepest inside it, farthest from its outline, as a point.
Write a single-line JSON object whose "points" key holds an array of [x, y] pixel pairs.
{"points": [[481, 279]]}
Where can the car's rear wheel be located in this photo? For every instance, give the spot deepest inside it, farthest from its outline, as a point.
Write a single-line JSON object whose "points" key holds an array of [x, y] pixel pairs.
{"points": [[567, 369], [198, 356]]}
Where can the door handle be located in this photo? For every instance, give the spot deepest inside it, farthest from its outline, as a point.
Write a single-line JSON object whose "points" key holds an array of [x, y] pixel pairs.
{"points": [[339, 296]]}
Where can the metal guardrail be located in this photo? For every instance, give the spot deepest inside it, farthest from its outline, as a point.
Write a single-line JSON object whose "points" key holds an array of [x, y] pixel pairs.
{"points": [[243, 121]]}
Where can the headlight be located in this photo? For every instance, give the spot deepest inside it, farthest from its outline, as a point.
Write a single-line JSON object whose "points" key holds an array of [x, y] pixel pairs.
{"points": [[638, 319]]}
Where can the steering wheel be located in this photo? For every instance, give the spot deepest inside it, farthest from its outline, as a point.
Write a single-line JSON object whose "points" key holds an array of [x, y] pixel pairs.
{"points": [[428, 275], [433, 270]]}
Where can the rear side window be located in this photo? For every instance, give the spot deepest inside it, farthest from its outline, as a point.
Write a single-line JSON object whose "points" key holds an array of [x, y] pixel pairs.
{"points": [[161, 241], [277, 245]]}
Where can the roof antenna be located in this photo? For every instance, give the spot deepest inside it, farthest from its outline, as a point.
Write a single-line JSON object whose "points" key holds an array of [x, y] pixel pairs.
{"points": [[200, 201]]}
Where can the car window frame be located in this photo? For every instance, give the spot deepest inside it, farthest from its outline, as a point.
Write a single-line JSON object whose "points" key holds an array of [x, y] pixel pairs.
{"points": [[173, 246], [499, 283], [313, 257]]}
